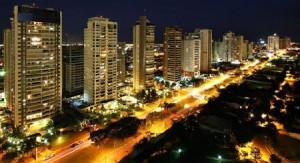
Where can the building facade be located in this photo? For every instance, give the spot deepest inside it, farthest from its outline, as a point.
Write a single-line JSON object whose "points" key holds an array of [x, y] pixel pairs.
{"points": [[191, 56], [34, 69], [230, 50], [121, 61], [172, 54], [143, 54], [73, 70], [8, 67], [206, 49], [218, 50], [100, 61], [284, 43], [273, 43], [247, 50], [239, 48]]}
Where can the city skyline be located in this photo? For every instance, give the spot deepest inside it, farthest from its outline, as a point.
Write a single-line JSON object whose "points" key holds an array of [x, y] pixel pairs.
{"points": [[256, 19], [181, 92]]}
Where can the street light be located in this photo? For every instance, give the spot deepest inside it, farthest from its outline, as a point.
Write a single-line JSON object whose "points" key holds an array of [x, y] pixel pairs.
{"points": [[219, 158], [186, 106], [179, 150]]}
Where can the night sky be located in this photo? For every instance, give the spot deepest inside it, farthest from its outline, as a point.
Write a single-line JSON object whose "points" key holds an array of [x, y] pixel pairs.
{"points": [[251, 18]]}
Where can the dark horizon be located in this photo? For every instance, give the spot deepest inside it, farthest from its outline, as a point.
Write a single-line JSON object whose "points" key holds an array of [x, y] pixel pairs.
{"points": [[254, 19]]}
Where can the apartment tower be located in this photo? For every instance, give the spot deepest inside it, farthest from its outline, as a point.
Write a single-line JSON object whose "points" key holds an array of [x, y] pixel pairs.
{"points": [[206, 49], [143, 54], [191, 56], [73, 70], [273, 43], [34, 64], [100, 60], [172, 54]]}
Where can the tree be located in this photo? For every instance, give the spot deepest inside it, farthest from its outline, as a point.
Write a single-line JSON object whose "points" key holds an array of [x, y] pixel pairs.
{"points": [[141, 94], [173, 85], [153, 94], [287, 87], [167, 84]]}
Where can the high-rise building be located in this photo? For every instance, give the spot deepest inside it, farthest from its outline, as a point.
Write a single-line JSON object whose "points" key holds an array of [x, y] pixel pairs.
{"points": [[121, 62], [206, 49], [284, 43], [250, 50], [8, 67], [218, 50], [191, 56], [100, 60], [273, 43], [172, 54], [230, 50], [1, 49], [1, 74], [34, 64], [72, 70], [143, 54], [247, 50], [239, 48]]}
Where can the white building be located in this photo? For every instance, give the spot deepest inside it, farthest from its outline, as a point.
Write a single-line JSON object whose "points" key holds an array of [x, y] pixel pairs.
{"points": [[191, 56], [100, 60], [218, 51], [230, 50], [273, 43]]}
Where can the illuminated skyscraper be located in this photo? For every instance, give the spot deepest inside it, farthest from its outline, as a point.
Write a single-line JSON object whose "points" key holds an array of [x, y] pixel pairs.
{"points": [[273, 43], [191, 56], [206, 49], [143, 54], [34, 71], [8, 67], [247, 50], [100, 60], [230, 50], [218, 50], [284, 43], [239, 48], [172, 54]]}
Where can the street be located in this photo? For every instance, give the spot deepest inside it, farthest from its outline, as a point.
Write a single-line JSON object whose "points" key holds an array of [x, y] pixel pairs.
{"points": [[114, 153]]}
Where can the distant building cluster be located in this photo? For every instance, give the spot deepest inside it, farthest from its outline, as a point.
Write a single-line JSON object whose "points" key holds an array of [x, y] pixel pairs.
{"points": [[232, 48], [39, 70], [276, 43]]}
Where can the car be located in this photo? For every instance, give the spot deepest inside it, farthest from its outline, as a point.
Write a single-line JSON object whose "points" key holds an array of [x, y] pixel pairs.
{"points": [[48, 157], [80, 142], [73, 145]]}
